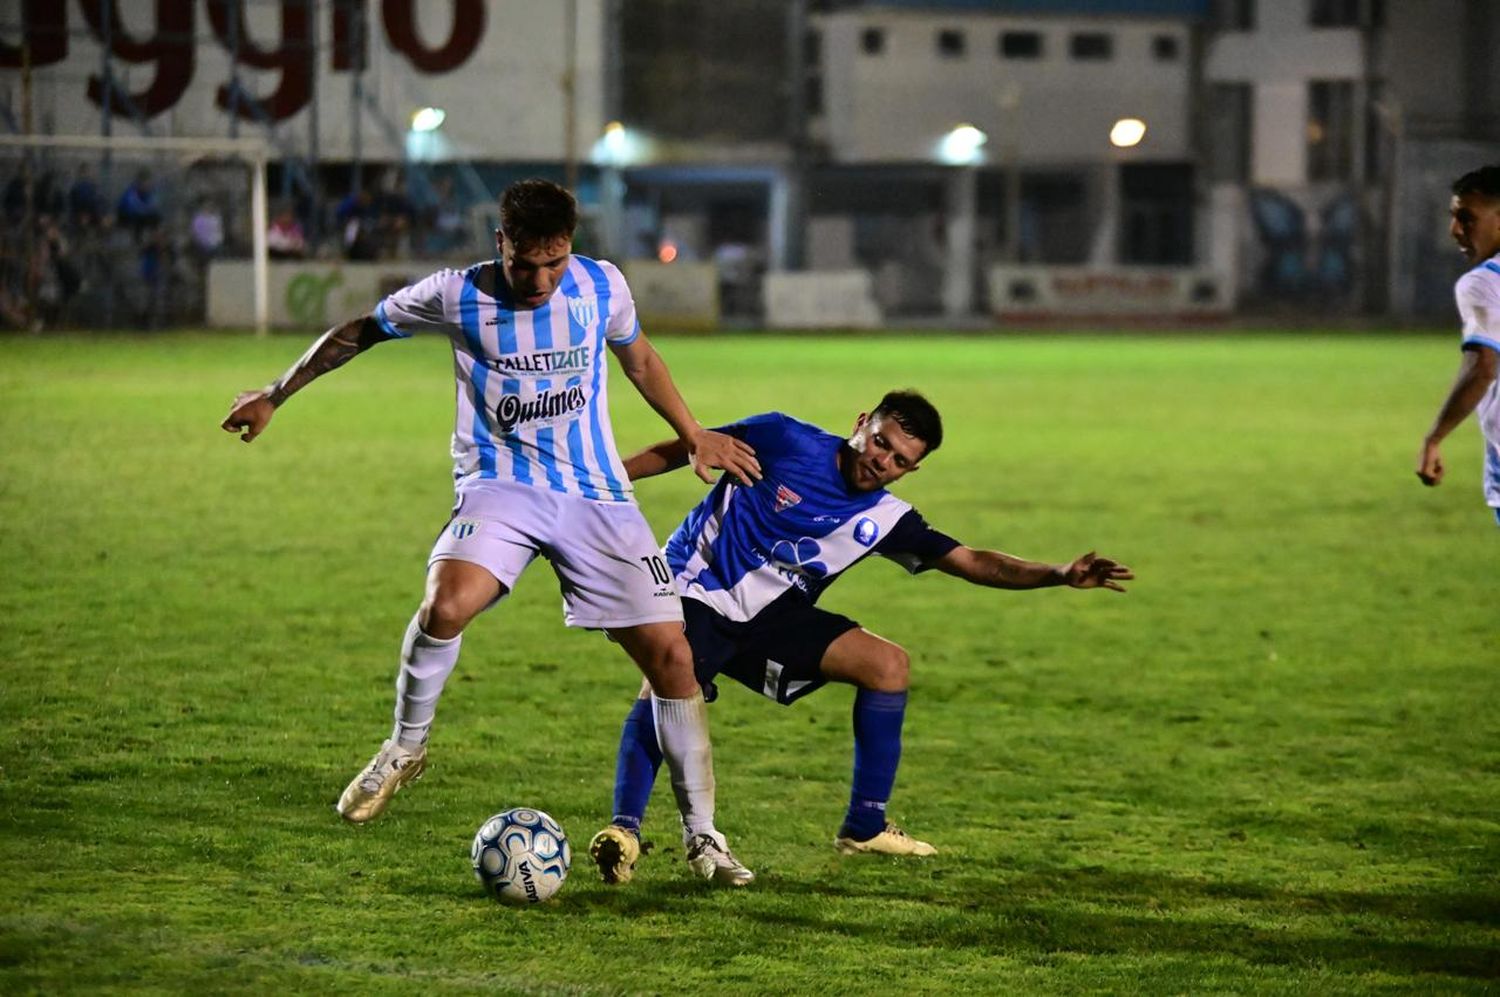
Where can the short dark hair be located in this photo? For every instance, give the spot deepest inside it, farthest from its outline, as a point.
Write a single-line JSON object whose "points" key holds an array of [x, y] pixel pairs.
{"points": [[913, 413], [1484, 181], [536, 211]]}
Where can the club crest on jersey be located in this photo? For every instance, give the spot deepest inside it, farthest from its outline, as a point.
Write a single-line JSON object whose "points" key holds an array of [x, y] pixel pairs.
{"points": [[786, 498], [585, 310], [463, 528], [865, 531]]}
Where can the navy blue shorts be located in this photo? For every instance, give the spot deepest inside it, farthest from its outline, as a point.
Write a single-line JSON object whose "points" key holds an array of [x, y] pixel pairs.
{"points": [[778, 654]]}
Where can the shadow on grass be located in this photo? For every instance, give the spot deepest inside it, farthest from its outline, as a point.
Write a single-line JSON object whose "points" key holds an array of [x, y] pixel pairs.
{"points": [[1037, 912]]}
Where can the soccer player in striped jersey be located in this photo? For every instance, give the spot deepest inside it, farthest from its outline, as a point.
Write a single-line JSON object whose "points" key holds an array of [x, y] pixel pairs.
{"points": [[750, 563], [1475, 210], [537, 472]]}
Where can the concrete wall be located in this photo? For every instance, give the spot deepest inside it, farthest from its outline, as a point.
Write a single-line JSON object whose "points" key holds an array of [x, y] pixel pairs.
{"points": [[896, 106], [1278, 58]]}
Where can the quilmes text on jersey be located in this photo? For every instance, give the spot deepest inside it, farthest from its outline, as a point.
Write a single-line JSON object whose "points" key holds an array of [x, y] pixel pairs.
{"points": [[512, 411]]}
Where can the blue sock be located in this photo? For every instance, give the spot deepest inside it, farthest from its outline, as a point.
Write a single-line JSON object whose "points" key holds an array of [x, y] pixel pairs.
{"points": [[877, 752], [636, 766]]}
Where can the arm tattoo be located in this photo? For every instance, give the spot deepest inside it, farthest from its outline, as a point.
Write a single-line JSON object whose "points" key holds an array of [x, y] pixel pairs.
{"points": [[333, 349]]}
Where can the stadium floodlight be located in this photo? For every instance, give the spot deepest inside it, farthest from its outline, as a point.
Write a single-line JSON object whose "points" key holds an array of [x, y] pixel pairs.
{"points": [[428, 119], [620, 146], [1127, 133], [962, 146]]}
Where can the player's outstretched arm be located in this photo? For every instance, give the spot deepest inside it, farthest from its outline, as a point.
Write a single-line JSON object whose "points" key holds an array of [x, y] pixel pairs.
{"points": [[659, 458], [1000, 570], [1476, 372], [252, 410], [706, 449]]}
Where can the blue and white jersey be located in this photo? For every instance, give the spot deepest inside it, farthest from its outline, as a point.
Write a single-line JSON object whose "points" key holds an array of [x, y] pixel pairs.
{"points": [[793, 532], [1478, 294], [532, 401]]}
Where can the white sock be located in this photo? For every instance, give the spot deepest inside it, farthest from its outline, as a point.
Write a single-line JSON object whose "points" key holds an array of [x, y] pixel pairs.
{"points": [[682, 733], [426, 663]]}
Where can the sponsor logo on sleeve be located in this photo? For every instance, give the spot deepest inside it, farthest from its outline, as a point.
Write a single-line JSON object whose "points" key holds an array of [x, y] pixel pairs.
{"points": [[866, 531]]}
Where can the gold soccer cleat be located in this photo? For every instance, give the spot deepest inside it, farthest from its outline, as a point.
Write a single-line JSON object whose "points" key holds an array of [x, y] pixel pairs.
{"points": [[615, 851], [891, 841], [365, 798]]}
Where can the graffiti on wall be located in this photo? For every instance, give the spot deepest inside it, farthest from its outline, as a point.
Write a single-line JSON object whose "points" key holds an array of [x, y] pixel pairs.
{"points": [[1308, 243]]}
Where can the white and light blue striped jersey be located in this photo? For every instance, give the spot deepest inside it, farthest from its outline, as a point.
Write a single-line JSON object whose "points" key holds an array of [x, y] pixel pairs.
{"points": [[532, 400], [791, 534], [1478, 294]]}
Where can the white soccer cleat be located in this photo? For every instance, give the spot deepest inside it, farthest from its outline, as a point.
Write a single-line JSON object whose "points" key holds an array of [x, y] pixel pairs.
{"points": [[891, 841], [615, 851], [366, 797], [709, 856]]}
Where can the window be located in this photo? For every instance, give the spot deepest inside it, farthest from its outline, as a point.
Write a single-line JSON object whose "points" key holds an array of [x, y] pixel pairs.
{"points": [[950, 43], [1330, 130], [1228, 132], [1020, 45], [1234, 15], [1164, 48], [1333, 13], [1092, 46], [812, 95], [872, 41], [1156, 213]]}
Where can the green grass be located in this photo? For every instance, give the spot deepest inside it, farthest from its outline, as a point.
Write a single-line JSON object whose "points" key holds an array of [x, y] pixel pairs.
{"points": [[1272, 767]]}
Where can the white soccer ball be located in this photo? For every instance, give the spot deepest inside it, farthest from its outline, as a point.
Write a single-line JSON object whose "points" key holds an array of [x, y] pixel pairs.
{"points": [[521, 856]]}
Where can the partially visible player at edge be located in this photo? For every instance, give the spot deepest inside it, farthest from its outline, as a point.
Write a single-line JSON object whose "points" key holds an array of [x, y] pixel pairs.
{"points": [[537, 472], [1475, 209], [750, 563]]}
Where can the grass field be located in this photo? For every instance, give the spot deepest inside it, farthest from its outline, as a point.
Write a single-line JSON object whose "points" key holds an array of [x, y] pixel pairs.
{"points": [[1272, 767]]}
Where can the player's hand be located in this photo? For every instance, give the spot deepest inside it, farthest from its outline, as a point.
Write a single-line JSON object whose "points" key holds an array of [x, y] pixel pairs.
{"points": [[709, 450], [249, 414], [1093, 572], [1430, 463]]}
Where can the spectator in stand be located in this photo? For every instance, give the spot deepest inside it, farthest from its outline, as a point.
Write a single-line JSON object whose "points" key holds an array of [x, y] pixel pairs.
{"points": [[138, 209], [47, 196], [85, 206], [445, 220], [285, 239], [206, 232], [15, 200], [46, 199], [56, 277], [356, 218], [156, 267], [393, 210]]}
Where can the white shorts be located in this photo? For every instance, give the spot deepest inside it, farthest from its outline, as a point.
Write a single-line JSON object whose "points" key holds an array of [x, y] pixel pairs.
{"points": [[1492, 474], [606, 560]]}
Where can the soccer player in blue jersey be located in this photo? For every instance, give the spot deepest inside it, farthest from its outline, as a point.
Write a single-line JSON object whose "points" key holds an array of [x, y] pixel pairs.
{"points": [[536, 472], [750, 562], [1475, 226]]}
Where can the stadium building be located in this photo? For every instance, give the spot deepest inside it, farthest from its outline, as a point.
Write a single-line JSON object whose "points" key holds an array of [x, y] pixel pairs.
{"points": [[840, 163]]}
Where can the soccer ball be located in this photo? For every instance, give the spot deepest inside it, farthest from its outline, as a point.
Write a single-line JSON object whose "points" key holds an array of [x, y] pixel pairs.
{"points": [[521, 856]]}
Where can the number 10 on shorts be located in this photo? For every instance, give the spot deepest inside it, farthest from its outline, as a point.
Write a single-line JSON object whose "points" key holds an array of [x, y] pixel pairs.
{"points": [[658, 569]]}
